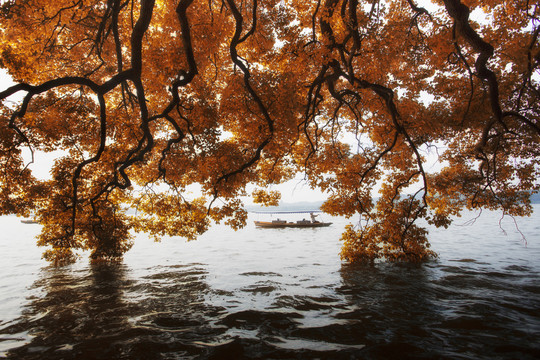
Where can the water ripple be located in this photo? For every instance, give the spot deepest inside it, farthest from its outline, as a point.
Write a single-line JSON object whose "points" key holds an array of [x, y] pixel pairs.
{"points": [[259, 296]]}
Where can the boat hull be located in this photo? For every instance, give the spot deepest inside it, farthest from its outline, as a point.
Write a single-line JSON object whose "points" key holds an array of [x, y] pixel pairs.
{"points": [[25, 221], [280, 225]]}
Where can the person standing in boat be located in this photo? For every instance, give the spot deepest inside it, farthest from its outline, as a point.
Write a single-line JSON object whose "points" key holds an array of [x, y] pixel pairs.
{"points": [[313, 216]]}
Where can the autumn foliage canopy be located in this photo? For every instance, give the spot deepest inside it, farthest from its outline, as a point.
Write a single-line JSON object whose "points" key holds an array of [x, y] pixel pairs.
{"points": [[144, 99]]}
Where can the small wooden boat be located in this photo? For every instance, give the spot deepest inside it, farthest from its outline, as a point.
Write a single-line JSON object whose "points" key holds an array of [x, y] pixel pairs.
{"points": [[313, 223], [286, 224], [29, 221]]}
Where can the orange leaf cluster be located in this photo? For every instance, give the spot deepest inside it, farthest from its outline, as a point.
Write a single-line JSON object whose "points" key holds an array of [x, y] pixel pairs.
{"points": [[146, 99]]}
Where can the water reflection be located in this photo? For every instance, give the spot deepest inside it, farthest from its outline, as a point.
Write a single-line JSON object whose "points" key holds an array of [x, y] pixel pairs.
{"points": [[391, 309], [384, 311], [441, 311], [78, 310], [99, 313]]}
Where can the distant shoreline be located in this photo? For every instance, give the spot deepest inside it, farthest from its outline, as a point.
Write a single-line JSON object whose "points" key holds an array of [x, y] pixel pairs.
{"points": [[297, 206], [316, 205]]}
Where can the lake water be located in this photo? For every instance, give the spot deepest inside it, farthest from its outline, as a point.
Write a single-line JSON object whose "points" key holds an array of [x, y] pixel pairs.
{"points": [[276, 293]]}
